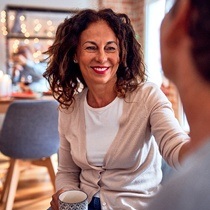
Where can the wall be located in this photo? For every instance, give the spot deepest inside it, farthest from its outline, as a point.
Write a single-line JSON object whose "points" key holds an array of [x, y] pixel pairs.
{"points": [[61, 4]]}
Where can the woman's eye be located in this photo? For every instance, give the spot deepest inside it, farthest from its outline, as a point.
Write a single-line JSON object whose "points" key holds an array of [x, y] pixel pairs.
{"points": [[110, 49], [90, 48]]}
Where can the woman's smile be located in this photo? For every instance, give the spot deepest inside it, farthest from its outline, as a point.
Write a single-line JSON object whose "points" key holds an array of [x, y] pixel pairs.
{"points": [[98, 54], [100, 69]]}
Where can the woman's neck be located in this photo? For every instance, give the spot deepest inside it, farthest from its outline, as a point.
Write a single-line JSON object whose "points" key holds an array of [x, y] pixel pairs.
{"points": [[100, 98]]}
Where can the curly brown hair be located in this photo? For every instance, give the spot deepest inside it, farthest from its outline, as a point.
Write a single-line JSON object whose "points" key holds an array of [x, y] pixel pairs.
{"points": [[64, 76]]}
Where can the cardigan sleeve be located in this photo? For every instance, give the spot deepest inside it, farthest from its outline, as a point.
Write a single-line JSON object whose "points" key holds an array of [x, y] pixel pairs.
{"points": [[68, 173], [165, 127]]}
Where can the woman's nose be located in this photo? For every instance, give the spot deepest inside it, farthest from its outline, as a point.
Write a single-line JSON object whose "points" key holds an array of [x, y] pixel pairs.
{"points": [[101, 56]]}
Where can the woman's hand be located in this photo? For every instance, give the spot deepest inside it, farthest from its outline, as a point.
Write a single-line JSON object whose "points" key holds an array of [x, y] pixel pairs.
{"points": [[54, 201]]}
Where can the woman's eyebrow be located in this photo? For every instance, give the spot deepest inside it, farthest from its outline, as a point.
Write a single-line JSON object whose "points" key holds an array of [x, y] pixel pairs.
{"points": [[92, 42], [112, 42], [89, 42]]}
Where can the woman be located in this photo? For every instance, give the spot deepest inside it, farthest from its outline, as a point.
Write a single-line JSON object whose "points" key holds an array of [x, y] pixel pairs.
{"points": [[109, 113]]}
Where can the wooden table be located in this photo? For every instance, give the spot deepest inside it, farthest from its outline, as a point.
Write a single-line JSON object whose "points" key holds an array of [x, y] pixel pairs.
{"points": [[4, 104], [6, 101]]}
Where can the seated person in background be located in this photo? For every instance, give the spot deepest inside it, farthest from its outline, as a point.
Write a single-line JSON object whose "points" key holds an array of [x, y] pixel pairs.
{"points": [[185, 56], [27, 71]]}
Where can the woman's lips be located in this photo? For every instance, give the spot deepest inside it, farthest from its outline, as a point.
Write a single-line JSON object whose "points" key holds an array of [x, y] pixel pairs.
{"points": [[100, 70]]}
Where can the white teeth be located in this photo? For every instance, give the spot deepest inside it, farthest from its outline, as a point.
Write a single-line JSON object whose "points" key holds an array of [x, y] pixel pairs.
{"points": [[100, 69]]}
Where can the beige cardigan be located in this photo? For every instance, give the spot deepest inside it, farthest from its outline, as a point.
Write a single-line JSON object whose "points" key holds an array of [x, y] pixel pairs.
{"points": [[131, 173]]}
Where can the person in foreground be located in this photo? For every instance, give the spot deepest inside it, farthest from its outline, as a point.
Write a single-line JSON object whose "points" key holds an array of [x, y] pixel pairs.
{"points": [[185, 49], [112, 123]]}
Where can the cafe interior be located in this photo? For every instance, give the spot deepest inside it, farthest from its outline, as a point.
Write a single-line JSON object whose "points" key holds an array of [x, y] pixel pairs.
{"points": [[30, 184]]}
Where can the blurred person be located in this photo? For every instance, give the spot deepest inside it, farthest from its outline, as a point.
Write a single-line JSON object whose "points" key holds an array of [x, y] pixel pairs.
{"points": [[28, 72], [185, 57], [112, 122]]}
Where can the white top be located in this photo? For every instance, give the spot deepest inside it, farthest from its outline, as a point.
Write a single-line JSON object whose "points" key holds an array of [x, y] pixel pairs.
{"points": [[102, 125]]}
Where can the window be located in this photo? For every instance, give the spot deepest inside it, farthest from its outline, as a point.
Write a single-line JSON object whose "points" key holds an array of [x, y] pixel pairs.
{"points": [[155, 11]]}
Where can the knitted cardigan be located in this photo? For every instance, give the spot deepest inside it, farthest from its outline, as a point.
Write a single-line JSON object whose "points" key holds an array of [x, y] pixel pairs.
{"points": [[131, 171]]}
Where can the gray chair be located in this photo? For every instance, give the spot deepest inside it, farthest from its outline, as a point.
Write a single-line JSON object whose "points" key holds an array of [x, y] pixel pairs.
{"points": [[29, 133]]}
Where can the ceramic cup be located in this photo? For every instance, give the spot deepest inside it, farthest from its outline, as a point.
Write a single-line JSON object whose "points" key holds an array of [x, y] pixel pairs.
{"points": [[73, 200]]}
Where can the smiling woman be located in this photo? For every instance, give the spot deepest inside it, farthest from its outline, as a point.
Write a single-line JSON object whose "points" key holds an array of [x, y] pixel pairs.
{"points": [[119, 38], [107, 127], [98, 57]]}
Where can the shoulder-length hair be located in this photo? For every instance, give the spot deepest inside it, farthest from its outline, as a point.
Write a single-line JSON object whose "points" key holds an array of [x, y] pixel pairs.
{"points": [[64, 75]]}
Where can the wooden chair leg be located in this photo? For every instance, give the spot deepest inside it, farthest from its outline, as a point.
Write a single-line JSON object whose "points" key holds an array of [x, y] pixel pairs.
{"points": [[51, 170], [48, 163], [12, 178], [13, 182], [7, 181]]}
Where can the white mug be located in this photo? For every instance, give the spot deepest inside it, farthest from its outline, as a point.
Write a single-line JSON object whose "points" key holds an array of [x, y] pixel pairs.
{"points": [[73, 200]]}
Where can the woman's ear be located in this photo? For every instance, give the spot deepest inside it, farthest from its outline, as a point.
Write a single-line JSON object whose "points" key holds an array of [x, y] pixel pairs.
{"points": [[179, 19], [75, 59]]}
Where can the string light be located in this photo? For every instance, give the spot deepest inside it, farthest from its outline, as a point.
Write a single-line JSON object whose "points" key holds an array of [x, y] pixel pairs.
{"points": [[49, 42], [22, 18], [3, 22], [12, 17], [36, 40], [15, 45], [26, 41], [49, 22], [27, 34], [38, 27]]}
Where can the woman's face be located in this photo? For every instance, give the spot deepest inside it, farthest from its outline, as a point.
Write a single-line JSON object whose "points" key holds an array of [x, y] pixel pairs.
{"points": [[98, 54]]}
